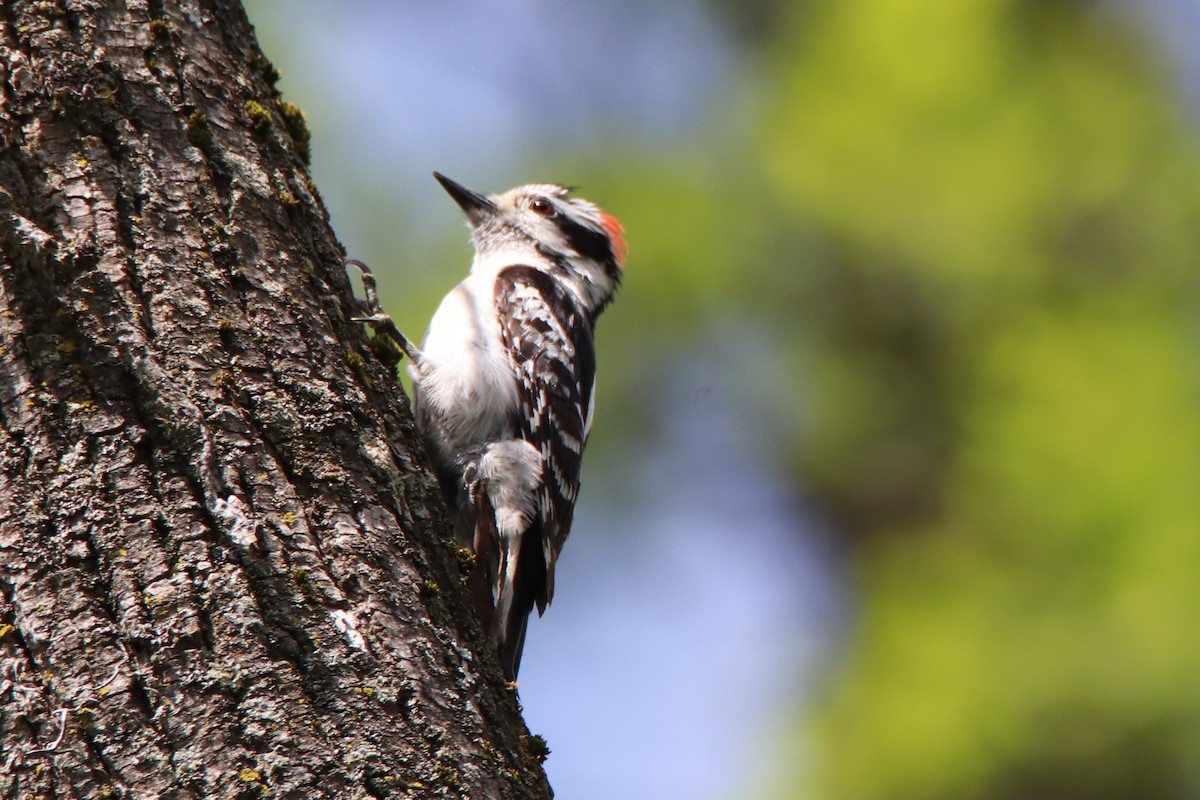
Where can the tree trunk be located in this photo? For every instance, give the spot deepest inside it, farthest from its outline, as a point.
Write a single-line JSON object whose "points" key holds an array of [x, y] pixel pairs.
{"points": [[223, 565]]}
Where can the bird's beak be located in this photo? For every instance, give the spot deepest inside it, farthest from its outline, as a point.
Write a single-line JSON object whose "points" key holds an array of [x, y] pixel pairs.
{"points": [[477, 206]]}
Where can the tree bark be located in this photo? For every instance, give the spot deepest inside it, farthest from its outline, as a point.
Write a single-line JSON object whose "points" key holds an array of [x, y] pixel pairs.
{"points": [[224, 570]]}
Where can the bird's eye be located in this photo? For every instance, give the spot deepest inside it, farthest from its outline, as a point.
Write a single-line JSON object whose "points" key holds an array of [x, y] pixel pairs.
{"points": [[541, 205]]}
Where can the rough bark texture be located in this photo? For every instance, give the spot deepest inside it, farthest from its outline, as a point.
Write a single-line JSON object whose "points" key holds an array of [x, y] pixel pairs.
{"points": [[223, 571]]}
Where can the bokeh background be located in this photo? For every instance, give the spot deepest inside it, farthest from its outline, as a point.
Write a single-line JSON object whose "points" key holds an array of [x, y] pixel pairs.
{"points": [[894, 487]]}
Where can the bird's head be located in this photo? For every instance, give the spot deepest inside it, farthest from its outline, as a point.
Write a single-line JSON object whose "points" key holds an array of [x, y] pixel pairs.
{"points": [[541, 225]]}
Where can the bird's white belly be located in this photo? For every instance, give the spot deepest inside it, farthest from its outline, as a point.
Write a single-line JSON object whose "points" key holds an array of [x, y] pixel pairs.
{"points": [[468, 386]]}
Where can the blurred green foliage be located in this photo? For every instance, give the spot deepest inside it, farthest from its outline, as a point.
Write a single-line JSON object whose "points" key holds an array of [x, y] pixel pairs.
{"points": [[973, 230], [1005, 396]]}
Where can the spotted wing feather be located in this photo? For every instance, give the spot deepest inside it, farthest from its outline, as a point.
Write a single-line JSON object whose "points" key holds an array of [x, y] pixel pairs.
{"points": [[549, 339]]}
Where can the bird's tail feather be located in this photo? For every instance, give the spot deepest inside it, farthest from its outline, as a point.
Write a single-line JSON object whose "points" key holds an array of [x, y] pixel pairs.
{"points": [[513, 644], [486, 545], [521, 584], [508, 578]]}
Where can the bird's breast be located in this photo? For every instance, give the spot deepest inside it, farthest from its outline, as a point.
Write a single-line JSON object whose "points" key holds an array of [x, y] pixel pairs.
{"points": [[468, 385]]}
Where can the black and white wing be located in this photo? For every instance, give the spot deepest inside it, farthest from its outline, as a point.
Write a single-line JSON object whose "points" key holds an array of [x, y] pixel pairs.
{"points": [[549, 341]]}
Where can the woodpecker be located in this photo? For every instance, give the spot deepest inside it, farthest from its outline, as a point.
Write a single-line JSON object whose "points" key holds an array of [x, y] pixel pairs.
{"points": [[504, 384]]}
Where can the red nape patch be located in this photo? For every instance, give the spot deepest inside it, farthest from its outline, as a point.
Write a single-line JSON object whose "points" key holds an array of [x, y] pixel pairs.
{"points": [[617, 234]]}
